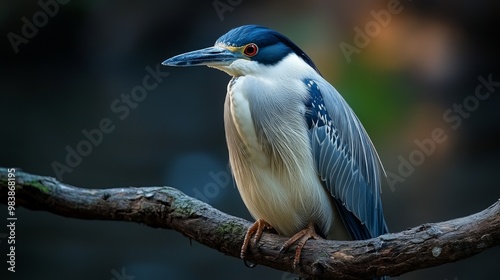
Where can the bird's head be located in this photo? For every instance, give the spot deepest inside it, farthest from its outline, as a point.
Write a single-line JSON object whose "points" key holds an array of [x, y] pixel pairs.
{"points": [[243, 50]]}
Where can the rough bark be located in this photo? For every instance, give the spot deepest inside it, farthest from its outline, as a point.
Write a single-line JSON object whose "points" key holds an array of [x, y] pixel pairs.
{"points": [[165, 207]]}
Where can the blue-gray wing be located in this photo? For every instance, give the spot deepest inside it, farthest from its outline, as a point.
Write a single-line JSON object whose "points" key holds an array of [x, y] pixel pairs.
{"points": [[346, 160]]}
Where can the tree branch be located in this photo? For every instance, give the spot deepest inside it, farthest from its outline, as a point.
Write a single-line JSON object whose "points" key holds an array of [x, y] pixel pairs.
{"points": [[165, 207]]}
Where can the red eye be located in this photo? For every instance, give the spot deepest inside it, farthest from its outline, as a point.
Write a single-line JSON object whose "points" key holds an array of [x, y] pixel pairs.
{"points": [[251, 49]]}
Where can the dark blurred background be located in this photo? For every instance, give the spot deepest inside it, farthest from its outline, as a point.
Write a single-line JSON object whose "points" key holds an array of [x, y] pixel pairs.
{"points": [[70, 73]]}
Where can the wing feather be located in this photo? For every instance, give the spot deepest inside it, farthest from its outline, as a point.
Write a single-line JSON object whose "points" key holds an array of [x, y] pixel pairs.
{"points": [[346, 160]]}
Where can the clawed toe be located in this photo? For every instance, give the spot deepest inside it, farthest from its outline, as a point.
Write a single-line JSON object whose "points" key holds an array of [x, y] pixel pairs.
{"points": [[301, 238], [256, 229]]}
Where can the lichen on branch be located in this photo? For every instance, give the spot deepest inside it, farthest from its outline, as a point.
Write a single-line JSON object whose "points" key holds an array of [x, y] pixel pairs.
{"points": [[166, 207]]}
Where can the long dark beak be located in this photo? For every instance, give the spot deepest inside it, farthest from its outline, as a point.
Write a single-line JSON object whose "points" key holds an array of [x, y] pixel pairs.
{"points": [[212, 56]]}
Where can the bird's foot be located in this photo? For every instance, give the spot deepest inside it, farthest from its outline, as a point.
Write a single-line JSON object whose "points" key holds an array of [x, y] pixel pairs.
{"points": [[257, 228], [301, 238]]}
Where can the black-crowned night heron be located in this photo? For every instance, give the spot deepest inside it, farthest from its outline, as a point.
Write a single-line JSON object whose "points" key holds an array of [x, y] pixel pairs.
{"points": [[303, 163]]}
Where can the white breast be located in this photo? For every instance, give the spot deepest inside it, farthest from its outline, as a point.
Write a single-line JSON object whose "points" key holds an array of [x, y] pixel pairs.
{"points": [[274, 170]]}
